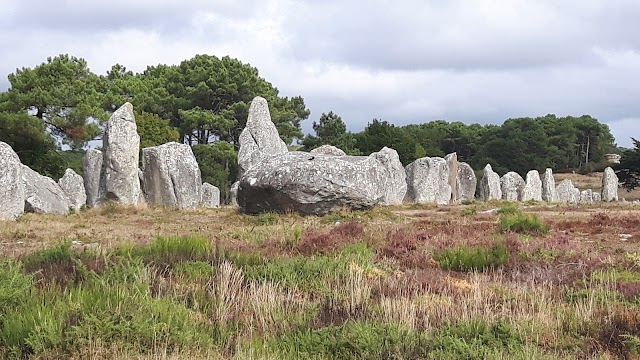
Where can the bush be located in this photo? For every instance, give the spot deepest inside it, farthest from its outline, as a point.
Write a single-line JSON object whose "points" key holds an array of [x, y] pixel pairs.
{"points": [[523, 223], [472, 258]]}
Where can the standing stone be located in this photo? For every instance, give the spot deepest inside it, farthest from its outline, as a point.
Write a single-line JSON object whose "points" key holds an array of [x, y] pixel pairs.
{"points": [[328, 150], [210, 196], [121, 143], [490, 185], [12, 192], [73, 186], [609, 185], [575, 198], [171, 176], [92, 168], [42, 194], [466, 183], [565, 192], [395, 186], [512, 186], [259, 139], [549, 186], [533, 187], [452, 162], [596, 197], [233, 193], [586, 196], [428, 181]]}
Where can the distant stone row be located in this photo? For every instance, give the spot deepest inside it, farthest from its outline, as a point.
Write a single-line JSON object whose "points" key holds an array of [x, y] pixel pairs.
{"points": [[169, 176]]}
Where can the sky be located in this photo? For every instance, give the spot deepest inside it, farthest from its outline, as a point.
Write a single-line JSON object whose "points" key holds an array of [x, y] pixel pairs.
{"points": [[403, 61]]}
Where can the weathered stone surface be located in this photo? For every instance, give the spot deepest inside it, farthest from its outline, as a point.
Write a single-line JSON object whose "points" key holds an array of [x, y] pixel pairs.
{"points": [[566, 192], [549, 186], [609, 185], [233, 193], [395, 188], [12, 192], [512, 186], [210, 196], [92, 168], [171, 176], [428, 181], [73, 186], [466, 183], [596, 196], [296, 181], [42, 194], [586, 196], [452, 163], [328, 150], [259, 140], [121, 143], [533, 187], [576, 196], [490, 185]]}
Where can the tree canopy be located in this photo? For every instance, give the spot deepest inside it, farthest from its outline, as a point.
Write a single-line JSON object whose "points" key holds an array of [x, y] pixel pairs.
{"points": [[628, 170]]}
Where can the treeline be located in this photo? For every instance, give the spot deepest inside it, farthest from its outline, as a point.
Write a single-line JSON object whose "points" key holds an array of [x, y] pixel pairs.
{"points": [[204, 102]]}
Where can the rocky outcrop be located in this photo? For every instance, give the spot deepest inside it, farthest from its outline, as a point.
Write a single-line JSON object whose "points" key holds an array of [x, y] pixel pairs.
{"points": [[259, 140], [512, 186], [171, 176], [210, 196], [466, 183], [328, 150], [566, 192], [73, 186], [395, 188], [428, 181], [92, 168], [42, 194], [12, 191], [533, 187], [490, 185], [121, 143], [609, 185], [452, 163], [549, 186]]}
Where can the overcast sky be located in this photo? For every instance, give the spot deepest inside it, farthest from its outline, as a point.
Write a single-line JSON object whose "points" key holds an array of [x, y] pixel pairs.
{"points": [[407, 61]]}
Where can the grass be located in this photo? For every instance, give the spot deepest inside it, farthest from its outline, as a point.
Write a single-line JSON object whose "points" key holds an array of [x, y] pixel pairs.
{"points": [[523, 223], [466, 259]]}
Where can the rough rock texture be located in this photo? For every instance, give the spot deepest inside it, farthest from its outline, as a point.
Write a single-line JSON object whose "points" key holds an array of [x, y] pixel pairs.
{"points": [[42, 194], [512, 186], [259, 140], [395, 188], [11, 185], [295, 182], [586, 196], [466, 183], [171, 176], [328, 150], [609, 185], [121, 143], [596, 196], [533, 187], [490, 185], [73, 186], [452, 163], [210, 196], [576, 196], [549, 186], [92, 168], [565, 192], [428, 181], [233, 193]]}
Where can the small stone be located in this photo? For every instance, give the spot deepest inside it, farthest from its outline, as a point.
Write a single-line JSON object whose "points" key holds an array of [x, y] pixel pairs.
{"points": [[210, 196], [490, 185], [73, 186], [512, 186]]}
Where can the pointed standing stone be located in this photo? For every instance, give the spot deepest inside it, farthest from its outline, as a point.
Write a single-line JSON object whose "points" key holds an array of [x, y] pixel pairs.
{"points": [[533, 187], [452, 162], [490, 185], [609, 185], [549, 186], [92, 168], [512, 186], [466, 183], [12, 191], [73, 186]]}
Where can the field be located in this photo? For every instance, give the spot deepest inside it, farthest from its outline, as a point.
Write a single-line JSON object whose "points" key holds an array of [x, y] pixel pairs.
{"points": [[593, 181], [483, 280]]}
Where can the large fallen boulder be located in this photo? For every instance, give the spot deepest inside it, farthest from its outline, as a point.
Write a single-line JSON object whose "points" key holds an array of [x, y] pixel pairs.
{"points": [[73, 186], [428, 181], [12, 192], [489, 185], [42, 194], [466, 183], [313, 184], [92, 168], [171, 176], [512, 186]]}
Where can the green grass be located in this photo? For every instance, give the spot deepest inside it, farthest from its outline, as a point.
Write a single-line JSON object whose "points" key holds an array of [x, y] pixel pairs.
{"points": [[165, 251], [509, 209], [523, 223], [465, 258]]}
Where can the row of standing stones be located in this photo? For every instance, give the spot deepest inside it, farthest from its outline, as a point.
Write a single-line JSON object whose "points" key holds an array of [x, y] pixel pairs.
{"points": [[271, 178], [169, 176]]}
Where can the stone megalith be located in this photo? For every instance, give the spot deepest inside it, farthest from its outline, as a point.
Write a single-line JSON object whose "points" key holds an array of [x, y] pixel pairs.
{"points": [[395, 186], [565, 192], [452, 163], [586, 196], [171, 176], [512, 186], [328, 150], [549, 186], [490, 185], [92, 169], [233, 193], [428, 181], [42, 194], [210, 196], [121, 145], [533, 187], [12, 191], [596, 196], [609, 185], [466, 183], [259, 139], [73, 186]]}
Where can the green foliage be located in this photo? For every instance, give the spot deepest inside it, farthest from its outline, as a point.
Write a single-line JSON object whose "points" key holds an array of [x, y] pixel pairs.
{"points": [[194, 270], [465, 258], [15, 286], [218, 164], [154, 131], [523, 223], [509, 209], [167, 251], [268, 218], [468, 211], [628, 170]]}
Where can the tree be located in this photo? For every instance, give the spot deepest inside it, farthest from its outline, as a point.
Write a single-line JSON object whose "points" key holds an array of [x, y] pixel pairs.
{"points": [[331, 130], [628, 170], [218, 164], [154, 131]]}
